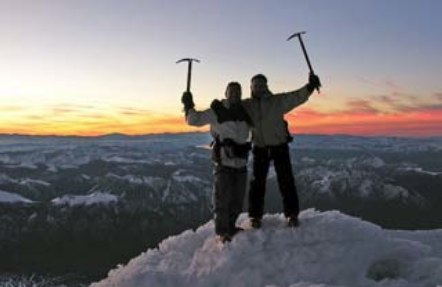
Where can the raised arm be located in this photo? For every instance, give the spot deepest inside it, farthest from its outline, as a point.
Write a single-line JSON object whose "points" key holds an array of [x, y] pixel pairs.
{"points": [[193, 117], [200, 118], [289, 101]]}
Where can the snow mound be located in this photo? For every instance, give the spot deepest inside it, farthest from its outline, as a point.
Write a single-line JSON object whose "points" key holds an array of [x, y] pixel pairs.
{"points": [[93, 198], [7, 197], [328, 249]]}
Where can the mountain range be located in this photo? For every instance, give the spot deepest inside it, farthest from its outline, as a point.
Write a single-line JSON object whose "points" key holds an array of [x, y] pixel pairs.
{"points": [[121, 194]]}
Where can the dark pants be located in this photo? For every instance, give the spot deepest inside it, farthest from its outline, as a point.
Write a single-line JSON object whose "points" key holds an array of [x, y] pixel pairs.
{"points": [[228, 197], [286, 181]]}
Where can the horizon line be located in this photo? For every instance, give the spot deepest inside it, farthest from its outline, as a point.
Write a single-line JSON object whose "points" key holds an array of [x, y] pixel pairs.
{"points": [[205, 132]]}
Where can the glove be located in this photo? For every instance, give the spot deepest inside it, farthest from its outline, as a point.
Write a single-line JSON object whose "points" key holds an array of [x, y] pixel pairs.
{"points": [[187, 101], [313, 82]]}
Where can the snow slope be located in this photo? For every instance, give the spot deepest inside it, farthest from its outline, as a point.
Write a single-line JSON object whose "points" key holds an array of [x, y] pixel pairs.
{"points": [[12, 198], [328, 249]]}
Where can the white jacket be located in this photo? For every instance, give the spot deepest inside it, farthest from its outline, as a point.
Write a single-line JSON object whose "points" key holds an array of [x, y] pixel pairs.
{"points": [[267, 115], [237, 131]]}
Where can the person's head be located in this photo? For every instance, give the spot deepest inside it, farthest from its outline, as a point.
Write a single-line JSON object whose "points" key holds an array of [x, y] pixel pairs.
{"points": [[258, 86], [233, 93]]}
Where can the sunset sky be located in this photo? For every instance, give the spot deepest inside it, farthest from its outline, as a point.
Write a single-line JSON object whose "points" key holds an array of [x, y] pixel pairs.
{"points": [[85, 67]]}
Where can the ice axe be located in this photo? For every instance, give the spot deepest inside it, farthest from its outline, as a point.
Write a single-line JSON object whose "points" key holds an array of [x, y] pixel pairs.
{"points": [[303, 50], [189, 69]]}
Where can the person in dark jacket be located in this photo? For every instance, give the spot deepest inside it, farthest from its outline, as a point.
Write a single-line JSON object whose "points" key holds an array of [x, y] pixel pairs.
{"points": [[270, 138], [230, 129]]}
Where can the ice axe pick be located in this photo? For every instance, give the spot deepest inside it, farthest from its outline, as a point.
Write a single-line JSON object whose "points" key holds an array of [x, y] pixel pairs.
{"points": [[189, 69], [303, 50]]}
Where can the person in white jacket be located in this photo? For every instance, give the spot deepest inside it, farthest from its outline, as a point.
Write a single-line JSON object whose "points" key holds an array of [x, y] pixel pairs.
{"points": [[230, 129], [270, 138]]}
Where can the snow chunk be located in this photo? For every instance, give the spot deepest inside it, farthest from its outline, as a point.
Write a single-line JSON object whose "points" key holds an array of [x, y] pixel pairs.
{"points": [[308, 160], [8, 197], [179, 177], [30, 181], [328, 249], [153, 181], [392, 191], [93, 198], [374, 161], [420, 170]]}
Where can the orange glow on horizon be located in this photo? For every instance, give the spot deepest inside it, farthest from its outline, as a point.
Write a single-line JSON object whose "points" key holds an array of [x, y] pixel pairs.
{"points": [[413, 124], [301, 121], [97, 126]]}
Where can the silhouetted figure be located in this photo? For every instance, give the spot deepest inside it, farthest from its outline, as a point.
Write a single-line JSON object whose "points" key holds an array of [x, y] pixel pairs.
{"points": [[270, 138], [229, 126]]}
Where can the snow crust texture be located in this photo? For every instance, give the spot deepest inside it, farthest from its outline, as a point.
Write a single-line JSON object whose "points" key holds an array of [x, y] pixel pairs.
{"points": [[328, 249]]}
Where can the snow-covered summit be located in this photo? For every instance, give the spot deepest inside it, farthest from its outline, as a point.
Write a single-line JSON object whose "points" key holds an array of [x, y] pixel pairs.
{"points": [[328, 249]]}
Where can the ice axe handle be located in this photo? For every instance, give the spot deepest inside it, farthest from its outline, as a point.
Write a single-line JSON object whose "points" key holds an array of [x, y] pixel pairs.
{"points": [[304, 51], [189, 76], [189, 70], [307, 59], [306, 55]]}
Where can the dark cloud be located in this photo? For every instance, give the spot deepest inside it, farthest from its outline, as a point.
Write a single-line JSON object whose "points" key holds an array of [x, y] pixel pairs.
{"points": [[63, 110], [386, 99], [404, 102], [391, 85], [361, 106], [135, 112], [35, 117], [11, 109]]}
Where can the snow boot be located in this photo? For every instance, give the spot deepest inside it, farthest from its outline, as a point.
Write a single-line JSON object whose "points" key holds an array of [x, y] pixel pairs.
{"points": [[235, 230], [292, 221], [255, 222], [224, 238]]}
